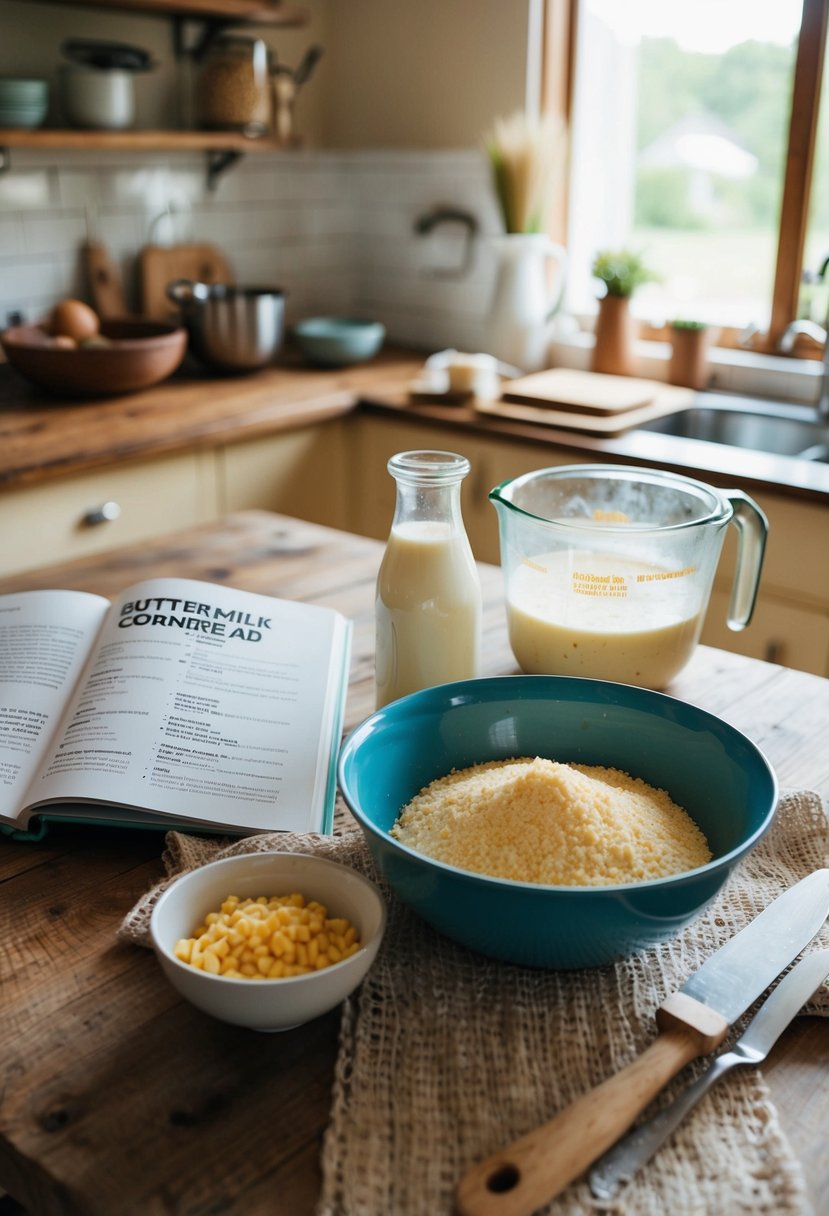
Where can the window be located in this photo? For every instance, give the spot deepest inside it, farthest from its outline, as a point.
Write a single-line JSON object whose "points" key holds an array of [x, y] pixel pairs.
{"points": [[694, 140]]}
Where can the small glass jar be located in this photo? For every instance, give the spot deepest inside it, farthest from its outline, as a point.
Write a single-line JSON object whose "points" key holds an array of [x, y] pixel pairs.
{"points": [[233, 89], [428, 601]]}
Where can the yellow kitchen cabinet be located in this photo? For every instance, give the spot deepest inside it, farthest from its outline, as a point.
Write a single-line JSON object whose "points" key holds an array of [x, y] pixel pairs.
{"points": [[791, 621], [780, 632], [493, 460], [75, 516], [301, 473]]}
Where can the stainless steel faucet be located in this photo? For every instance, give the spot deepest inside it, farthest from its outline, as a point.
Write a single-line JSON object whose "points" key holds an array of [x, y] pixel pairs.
{"points": [[810, 329]]}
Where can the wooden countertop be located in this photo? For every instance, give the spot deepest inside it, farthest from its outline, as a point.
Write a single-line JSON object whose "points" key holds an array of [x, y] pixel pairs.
{"points": [[43, 437], [120, 1098]]}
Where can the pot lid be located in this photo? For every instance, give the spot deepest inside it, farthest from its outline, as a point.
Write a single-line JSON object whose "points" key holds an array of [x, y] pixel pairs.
{"points": [[96, 53]]}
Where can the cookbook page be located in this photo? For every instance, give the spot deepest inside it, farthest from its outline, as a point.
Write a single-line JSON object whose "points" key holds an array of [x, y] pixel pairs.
{"points": [[45, 639], [203, 703]]}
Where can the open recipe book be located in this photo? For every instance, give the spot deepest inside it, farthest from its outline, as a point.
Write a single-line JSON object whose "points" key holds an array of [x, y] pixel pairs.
{"points": [[181, 704]]}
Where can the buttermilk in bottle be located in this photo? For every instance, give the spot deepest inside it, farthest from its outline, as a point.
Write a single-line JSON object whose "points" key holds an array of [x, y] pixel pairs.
{"points": [[428, 601]]}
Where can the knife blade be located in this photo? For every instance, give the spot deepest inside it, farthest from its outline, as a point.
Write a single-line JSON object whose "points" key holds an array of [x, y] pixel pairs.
{"points": [[693, 1021], [636, 1149]]}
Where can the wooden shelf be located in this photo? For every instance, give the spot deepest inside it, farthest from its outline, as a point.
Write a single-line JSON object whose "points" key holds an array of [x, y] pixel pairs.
{"points": [[142, 141], [223, 147], [248, 12]]}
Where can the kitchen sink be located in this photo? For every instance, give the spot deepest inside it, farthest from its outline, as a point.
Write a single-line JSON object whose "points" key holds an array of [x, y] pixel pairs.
{"points": [[760, 426]]}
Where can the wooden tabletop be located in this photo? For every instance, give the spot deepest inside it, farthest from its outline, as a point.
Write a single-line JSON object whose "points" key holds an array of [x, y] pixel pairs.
{"points": [[120, 1098]]}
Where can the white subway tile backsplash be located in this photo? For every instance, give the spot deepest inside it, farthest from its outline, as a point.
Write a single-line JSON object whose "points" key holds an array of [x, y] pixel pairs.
{"points": [[23, 189], [80, 187], [38, 279], [120, 230], [11, 234], [335, 230], [51, 233]]}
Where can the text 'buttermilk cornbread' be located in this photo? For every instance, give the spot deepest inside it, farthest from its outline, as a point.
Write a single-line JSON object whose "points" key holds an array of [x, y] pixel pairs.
{"points": [[534, 820]]}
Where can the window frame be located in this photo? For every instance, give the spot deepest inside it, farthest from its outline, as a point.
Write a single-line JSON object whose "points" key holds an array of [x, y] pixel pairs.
{"points": [[558, 68]]}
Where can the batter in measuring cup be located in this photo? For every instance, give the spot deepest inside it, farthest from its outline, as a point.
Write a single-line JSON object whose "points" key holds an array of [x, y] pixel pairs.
{"points": [[602, 616]]}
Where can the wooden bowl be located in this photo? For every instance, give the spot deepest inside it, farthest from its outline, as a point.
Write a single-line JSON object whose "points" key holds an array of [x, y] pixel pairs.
{"points": [[142, 353]]}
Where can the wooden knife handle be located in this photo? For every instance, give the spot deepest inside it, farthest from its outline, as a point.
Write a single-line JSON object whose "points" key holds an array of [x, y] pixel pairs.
{"points": [[533, 1170]]}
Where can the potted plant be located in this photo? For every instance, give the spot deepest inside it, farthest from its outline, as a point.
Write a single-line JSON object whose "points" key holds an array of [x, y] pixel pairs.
{"points": [[621, 272], [688, 365]]}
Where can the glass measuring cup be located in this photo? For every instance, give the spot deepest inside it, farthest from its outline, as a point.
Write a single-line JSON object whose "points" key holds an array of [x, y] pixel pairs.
{"points": [[608, 569]]}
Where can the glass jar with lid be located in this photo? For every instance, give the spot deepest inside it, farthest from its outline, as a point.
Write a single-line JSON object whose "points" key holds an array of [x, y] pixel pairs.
{"points": [[233, 88]]}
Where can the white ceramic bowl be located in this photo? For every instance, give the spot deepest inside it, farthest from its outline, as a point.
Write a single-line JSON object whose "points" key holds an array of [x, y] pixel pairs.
{"points": [[277, 1004]]}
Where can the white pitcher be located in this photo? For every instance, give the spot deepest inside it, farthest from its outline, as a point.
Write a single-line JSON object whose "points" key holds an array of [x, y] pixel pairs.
{"points": [[519, 325]]}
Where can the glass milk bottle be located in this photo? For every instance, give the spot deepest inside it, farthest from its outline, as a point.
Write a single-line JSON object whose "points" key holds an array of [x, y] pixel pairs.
{"points": [[428, 603]]}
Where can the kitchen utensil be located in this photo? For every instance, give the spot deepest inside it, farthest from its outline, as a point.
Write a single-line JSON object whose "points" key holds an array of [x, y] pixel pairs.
{"points": [[141, 353], [270, 1004], [634, 1150], [338, 341], [692, 1022], [716, 774], [234, 329], [306, 68], [161, 265], [96, 99], [668, 400], [608, 569], [584, 392], [97, 53], [105, 286], [286, 84]]}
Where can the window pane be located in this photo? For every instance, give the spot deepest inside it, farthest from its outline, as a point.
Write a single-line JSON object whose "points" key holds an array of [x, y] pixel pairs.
{"points": [[681, 117], [814, 294]]}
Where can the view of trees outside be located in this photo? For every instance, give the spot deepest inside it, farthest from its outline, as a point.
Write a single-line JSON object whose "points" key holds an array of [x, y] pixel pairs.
{"points": [[707, 88]]}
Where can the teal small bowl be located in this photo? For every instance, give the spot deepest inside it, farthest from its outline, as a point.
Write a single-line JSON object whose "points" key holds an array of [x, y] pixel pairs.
{"points": [[709, 768], [338, 341]]}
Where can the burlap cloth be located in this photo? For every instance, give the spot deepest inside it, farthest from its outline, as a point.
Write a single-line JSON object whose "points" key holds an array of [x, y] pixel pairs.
{"points": [[445, 1056]]}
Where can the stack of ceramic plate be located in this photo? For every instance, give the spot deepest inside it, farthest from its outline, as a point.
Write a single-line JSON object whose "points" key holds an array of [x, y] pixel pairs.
{"points": [[23, 103]]}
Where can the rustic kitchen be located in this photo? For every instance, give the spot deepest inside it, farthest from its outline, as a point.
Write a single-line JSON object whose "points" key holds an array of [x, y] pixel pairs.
{"points": [[285, 287]]}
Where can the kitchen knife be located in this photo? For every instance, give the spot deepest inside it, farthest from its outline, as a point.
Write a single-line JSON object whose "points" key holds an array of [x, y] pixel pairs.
{"points": [[691, 1022], [636, 1149]]}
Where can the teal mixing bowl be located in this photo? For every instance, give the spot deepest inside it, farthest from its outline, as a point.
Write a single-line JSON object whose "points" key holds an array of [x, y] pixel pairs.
{"points": [[338, 341], [708, 767]]}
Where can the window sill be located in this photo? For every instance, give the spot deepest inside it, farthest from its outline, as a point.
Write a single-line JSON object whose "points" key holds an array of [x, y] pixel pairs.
{"points": [[732, 371]]}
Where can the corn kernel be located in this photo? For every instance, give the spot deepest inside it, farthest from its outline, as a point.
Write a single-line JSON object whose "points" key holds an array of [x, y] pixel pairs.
{"points": [[269, 937]]}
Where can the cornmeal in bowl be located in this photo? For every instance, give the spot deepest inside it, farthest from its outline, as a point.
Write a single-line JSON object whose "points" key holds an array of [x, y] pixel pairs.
{"points": [[538, 821]]}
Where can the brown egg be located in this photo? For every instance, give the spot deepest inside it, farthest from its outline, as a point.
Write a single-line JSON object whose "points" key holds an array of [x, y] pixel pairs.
{"points": [[74, 319], [64, 342]]}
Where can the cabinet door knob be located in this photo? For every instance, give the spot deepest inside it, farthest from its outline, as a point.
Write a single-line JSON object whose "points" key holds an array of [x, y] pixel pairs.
{"points": [[103, 514], [774, 651]]}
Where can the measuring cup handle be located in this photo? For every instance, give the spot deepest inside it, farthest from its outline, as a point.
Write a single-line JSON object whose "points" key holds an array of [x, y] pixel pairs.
{"points": [[752, 530]]}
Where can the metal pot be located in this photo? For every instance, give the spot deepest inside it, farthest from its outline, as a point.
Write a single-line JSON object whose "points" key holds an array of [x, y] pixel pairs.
{"points": [[234, 329]]}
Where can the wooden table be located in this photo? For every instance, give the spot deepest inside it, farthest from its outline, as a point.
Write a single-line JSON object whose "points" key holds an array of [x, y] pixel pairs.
{"points": [[118, 1098]]}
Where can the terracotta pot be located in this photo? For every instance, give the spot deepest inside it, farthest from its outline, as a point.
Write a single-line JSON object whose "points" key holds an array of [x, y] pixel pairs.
{"points": [[613, 351], [688, 364]]}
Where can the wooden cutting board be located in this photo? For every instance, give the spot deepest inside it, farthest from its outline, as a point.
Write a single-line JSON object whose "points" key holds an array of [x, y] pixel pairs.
{"points": [[159, 265], [668, 400], [585, 392], [104, 282]]}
